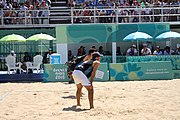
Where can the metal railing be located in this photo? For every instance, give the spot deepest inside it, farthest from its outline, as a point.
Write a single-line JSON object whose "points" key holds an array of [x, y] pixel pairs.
{"points": [[16, 18]]}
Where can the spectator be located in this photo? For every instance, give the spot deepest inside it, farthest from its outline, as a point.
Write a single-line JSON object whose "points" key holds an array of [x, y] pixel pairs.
{"points": [[44, 13], [118, 51], [177, 52], [157, 51], [21, 13], [46, 57], [168, 51], [93, 47], [70, 55], [132, 51], [13, 53], [101, 50], [26, 58], [81, 51], [145, 50], [89, 56], [14, 17], [7, 16], [35, 14]]}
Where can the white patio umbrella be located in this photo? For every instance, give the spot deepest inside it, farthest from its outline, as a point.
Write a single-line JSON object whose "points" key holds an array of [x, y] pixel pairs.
{"points": [[138, 36], [170, 35]]}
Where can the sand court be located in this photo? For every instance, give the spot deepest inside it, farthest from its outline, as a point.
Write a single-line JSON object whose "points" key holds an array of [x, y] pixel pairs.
{"points": [[132, 100]]}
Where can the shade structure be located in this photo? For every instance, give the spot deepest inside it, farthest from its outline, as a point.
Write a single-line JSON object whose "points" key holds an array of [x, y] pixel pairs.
{"points": [[13, 38], [138, 36], [40, 37], [170, 35]]}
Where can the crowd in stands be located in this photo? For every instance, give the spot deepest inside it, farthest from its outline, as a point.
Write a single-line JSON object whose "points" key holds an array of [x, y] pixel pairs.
{"points": [[24, 11], [125, 9], [131, 51], [35, 11]]}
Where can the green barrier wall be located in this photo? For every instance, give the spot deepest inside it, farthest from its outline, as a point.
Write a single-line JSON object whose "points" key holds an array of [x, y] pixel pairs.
{"points": [[58, 73], [55, 73], [102, 73], [175, 59], [176, 74], [108, 59], [141, 71]]}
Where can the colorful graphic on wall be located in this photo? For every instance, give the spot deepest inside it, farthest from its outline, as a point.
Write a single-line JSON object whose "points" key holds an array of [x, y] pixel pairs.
{"points": [[100, 33], [140, 71]]}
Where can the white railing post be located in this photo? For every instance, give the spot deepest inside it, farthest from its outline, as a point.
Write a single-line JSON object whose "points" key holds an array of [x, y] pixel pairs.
{"points": [[72, 21], [116, 16], [25, 15], [94, 14], [140, 9], [162, 17]]}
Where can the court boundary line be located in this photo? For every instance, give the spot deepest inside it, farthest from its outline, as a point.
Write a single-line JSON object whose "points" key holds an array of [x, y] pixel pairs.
{"points": [[4, 96]]}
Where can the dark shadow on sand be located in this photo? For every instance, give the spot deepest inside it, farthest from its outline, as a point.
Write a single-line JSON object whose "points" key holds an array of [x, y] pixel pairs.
{"points": [[74, 108], [69, 97]]}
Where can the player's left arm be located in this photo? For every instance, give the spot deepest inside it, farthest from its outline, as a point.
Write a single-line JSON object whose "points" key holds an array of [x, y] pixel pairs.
{"points": [[95, 67]]}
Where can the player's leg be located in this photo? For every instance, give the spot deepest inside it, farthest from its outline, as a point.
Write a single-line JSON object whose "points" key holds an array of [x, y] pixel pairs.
{"points": [[90, 95], [78, 93]]}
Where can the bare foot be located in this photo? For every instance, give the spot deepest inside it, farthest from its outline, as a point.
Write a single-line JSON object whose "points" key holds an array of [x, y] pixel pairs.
{"points": [[78, 105]]}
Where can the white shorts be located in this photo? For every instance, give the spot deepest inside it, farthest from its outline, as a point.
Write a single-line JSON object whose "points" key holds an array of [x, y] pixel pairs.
{"points": [[79, 77]]}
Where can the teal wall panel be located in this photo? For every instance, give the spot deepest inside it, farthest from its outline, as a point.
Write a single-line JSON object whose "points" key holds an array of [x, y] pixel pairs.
{"points": [[141, 71]]}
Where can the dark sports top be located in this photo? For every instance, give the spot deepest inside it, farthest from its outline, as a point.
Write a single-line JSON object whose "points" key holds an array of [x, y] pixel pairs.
{"points": [[86, 67]]}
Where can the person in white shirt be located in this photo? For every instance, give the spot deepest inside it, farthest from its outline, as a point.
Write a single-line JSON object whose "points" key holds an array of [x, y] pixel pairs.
{"points": [[168, 51], [132, 51], [13, 53], [145, 50], [157, 51]]}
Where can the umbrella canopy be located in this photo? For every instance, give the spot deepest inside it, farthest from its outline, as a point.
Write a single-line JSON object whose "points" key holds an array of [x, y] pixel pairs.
{"points": [[40, 36], [168, 35], [13, 38], [140, 36]]}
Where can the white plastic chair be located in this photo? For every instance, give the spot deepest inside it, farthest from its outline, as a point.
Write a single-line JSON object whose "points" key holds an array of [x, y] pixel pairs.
{"points": [[36, 64], [12, 65]]}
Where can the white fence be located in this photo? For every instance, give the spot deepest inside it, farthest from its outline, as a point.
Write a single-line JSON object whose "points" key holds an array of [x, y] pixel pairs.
{"points": [[16, 18]]}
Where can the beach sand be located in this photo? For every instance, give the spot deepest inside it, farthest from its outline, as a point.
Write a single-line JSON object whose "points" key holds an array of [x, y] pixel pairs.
{"points": [[132, 100]]}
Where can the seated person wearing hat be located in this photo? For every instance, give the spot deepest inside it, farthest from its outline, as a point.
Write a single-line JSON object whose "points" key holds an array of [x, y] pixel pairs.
{"points": [[157, 51], [13, 53], [132, 51], [145, 50], [48, 55]]}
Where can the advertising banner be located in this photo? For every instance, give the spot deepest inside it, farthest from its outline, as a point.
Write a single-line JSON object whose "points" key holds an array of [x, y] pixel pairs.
{"points": [[55, 73], [141, 71], [102, 74], [58, 73]]}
